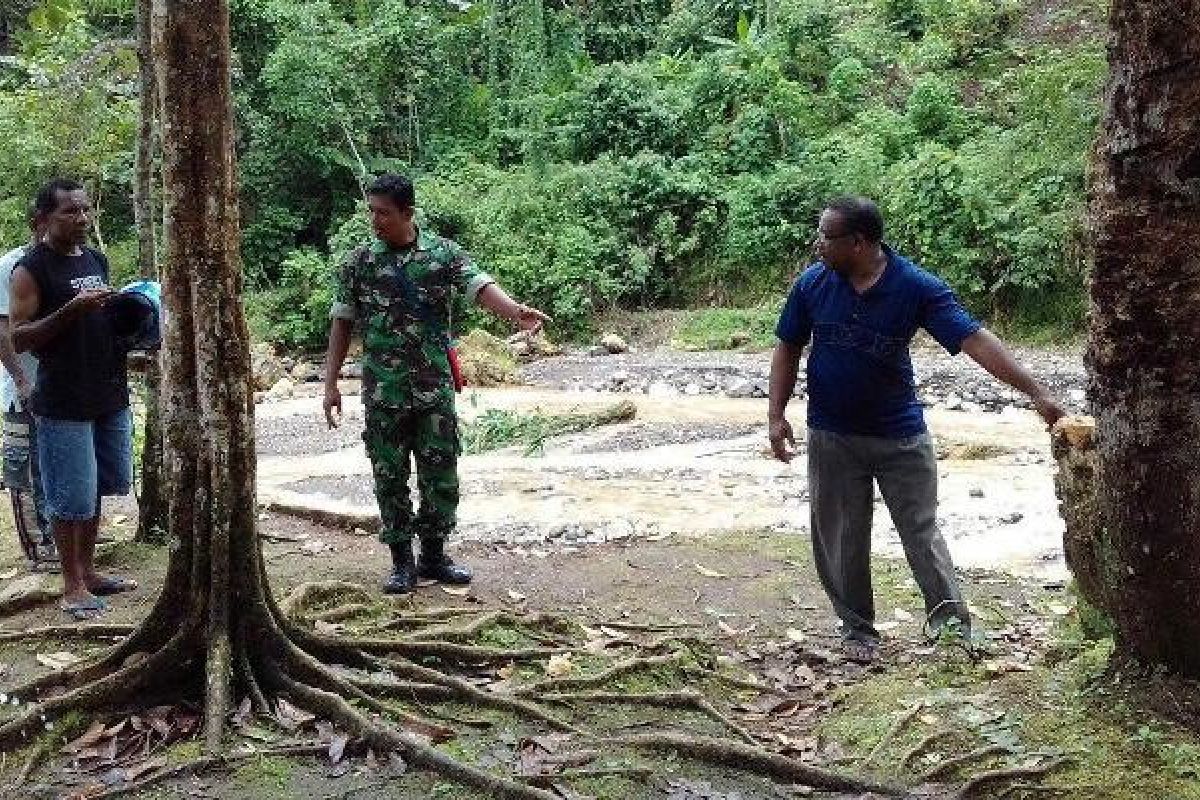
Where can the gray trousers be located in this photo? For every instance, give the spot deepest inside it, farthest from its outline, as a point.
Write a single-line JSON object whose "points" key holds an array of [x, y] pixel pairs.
{"points": [[841, 473]]}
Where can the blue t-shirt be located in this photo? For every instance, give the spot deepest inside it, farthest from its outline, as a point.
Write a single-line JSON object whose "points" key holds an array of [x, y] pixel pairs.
{"points": [[860, 375]]}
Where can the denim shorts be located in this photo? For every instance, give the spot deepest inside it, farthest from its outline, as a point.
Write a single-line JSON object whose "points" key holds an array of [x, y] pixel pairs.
{"points": [[81, 461]]}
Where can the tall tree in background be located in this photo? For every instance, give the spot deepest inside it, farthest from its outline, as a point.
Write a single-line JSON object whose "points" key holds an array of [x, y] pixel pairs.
{"points": [[152, 508], [1144, 351]]}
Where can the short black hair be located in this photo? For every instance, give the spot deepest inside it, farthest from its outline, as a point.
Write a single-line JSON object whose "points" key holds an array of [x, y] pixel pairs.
{"points": [[396, 188], [861, 216], [46, 201]]}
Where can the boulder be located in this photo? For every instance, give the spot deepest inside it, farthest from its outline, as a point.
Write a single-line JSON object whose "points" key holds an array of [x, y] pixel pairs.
{"points": [[613, 344], [486, 360], [305, 372], [266, 367], [282, 390], [739, 387]]}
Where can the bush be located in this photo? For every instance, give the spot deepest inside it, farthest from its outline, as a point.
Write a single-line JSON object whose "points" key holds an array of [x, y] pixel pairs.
{"points": [[296, 313]]}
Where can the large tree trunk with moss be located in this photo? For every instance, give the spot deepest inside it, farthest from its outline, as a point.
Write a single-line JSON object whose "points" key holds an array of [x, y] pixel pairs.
{"points": [[152, 504], [1144, 351]]}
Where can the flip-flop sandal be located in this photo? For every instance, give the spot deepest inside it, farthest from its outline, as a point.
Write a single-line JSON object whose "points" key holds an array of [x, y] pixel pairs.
{"points": [[110, 585], [84, 610]]}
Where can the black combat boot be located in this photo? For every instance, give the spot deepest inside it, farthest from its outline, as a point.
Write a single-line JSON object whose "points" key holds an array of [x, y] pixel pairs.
{"points": [[436, 565], [404, 570]]}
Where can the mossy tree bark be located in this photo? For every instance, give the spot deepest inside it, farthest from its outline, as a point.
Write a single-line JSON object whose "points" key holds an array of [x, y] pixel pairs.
{"points": [[152, 506], [1144, 350]]}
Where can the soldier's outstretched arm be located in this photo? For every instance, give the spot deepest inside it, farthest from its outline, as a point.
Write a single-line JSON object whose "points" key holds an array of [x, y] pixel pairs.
{"points": [[497, 301]]}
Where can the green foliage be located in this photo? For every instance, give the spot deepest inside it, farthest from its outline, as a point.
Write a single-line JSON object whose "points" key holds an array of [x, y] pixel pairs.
{"points": [[727, 328], [296, 314], [497, 428], [631, 154]]}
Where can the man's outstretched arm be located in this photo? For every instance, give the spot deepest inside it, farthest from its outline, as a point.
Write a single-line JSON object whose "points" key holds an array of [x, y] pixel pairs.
{"points": [[986, 349]]}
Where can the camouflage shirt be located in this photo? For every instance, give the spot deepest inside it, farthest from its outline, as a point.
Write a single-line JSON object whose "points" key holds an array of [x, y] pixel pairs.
{"points": [[400, 299]]}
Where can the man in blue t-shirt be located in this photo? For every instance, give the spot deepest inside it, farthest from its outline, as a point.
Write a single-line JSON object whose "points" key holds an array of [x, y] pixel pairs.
{"points": [[860, 306]]}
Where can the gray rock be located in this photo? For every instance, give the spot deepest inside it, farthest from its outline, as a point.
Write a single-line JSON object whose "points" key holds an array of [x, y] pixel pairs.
{"points": [[613, 343], [266, 367], [283, 389], [739, 387], [305, 372]]}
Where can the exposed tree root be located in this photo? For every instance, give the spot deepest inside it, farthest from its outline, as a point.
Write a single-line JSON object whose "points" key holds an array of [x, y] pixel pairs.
{"points": [[640, 773], [339, 613], [649, 627], [949, 765], [92, 631], [334, 708], [976, 784], [738, 683], [686, 699], [39, 755], [468, 692], [753, 759], [448, 651], [412, 619], [204, 763], [923, 745], [901, 722], [618, 670], [451, 633], [317, 591]]}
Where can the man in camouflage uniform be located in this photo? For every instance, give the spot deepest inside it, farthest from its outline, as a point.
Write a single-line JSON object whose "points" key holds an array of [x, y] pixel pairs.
{"points": [[399, 290]]}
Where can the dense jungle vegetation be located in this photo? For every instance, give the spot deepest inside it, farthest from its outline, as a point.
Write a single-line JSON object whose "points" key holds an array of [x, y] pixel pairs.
{"points": [[606, 153]]}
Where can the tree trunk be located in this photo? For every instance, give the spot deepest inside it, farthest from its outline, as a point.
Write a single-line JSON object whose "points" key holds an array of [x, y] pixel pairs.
{"points": [[1144, 351], [152, 506]]}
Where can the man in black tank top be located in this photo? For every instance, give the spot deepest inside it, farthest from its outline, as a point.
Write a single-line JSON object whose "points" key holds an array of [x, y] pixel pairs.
{"points": [[80, 397]]}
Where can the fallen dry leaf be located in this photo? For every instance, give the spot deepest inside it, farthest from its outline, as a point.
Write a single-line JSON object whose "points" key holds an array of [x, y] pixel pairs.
{"points": [[144, 768], [796, 635], [729, 630], [457, 591], [708, 573], [559, 664], [902, 615], [328, 628], [612, 633], [1001, 666], [337, 748], [58, 661], [1060, 610], [93, 735]]}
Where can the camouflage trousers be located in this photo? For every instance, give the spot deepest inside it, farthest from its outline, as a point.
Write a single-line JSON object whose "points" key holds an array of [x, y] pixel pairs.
{"points": [[396, 438]]}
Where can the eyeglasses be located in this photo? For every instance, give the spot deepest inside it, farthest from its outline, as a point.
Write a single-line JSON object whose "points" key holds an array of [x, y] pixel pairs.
{"points": [[822, 236]]}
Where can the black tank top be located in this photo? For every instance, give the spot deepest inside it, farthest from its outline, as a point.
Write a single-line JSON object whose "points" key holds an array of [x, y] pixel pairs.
{"points": [[81, 372]]}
